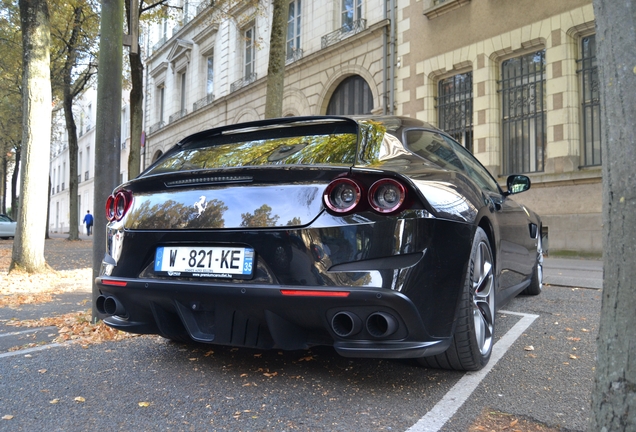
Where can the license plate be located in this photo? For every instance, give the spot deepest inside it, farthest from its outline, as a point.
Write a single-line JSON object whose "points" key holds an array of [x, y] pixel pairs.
{"points": [[226, 262]]}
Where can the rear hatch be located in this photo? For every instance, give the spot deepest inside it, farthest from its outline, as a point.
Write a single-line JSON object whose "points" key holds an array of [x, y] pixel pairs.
{"points": [[244, 178]]}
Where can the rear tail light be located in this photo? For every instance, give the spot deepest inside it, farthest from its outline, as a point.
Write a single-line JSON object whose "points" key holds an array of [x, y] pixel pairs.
{"points": [[387, 196], [345, 195], [117, 205], [342, 195]]}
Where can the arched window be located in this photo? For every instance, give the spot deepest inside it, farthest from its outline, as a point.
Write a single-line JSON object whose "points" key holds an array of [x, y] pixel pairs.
{"points": [[352, 96], [157, 155]]}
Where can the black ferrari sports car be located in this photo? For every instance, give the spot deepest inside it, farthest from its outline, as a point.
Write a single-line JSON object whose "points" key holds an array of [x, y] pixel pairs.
{"points": [[380, 236]]}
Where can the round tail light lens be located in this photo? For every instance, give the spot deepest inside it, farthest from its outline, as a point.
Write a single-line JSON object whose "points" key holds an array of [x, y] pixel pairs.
{"points": [[387, 196], [342, 195], [110, 208], [117, 205]]}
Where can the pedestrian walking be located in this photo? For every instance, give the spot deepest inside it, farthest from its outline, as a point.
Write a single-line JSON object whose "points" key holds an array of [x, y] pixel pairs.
{"points": [[88, 220]]}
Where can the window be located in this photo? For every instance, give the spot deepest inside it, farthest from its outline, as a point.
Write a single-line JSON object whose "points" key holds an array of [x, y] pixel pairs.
{"points": [[210, 76], [182, 79], [434, 148], [161, 101], [249, 53], [293, 29], [475, 170], [352, 96], [590, 109], [524, 113], [455, 108], [351, 12]]}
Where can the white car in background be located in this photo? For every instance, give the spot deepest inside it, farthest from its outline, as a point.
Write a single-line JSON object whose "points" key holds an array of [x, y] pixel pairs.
{"points": [[7, 226]]}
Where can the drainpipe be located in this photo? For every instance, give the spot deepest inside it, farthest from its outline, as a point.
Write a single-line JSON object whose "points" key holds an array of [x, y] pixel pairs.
{"points": [[392, 47], [385, 83]]}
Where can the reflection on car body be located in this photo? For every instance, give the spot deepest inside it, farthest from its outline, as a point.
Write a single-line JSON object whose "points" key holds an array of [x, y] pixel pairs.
{"points": [[379, 236]]}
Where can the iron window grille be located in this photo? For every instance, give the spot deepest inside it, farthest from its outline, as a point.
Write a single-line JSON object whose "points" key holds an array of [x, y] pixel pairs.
{"points": [[455, 108], [591, 104], [524, 113]]}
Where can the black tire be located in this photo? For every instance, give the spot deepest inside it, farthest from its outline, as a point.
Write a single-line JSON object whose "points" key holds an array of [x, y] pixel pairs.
{"points": [[473, 338], [536, 284]]}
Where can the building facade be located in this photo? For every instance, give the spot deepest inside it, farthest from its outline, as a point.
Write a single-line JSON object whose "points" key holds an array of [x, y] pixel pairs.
{"points": [[517, 83], [84, 111], [212, 70]]}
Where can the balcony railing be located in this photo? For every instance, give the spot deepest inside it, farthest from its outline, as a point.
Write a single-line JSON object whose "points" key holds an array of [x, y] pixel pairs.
{"points": [[344, 32], [246, 80], [159, 43], [203, 102], [204, 5], [155, 127], [176, 116], [293, 56]]}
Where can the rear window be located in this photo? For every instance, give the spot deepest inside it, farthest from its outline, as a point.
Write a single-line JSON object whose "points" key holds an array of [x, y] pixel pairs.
{"points": [[331, 149]]}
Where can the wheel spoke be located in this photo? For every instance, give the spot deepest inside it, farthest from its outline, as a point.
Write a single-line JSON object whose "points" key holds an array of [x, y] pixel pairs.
{"points": [[483, 298]]}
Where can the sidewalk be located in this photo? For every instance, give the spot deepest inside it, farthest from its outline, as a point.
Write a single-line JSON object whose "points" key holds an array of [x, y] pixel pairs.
{"points": [[570, 272]]}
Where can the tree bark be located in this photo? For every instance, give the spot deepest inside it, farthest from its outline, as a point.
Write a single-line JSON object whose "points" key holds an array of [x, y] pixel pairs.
{"points": [[277, 57], [28, 245], [614, 394], [71, 128], [14, 183], [136, 103], [107, 126]]}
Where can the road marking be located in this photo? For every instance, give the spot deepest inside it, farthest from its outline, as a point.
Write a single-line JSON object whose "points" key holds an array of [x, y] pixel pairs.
{"points": [[29, 350], [31, 330], [460, 392]]}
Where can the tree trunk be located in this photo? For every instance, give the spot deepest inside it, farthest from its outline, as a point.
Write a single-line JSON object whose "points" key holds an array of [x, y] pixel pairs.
{"points": [[277, 57], [28, 246], [107, 126], [136, 114], [71, 128], [14, 183], [614, 394], [136, 101], [3, 185]]}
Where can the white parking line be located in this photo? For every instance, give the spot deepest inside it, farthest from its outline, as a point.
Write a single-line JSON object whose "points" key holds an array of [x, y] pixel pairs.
{"points": [[460, 392], [29, 350], [31, 330]]}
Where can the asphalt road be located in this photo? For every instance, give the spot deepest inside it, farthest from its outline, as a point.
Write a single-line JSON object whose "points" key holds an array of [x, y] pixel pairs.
{"points": [[546, 375]]}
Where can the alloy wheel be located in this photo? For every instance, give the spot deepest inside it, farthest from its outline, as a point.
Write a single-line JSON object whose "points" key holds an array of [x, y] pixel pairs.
{"points": [[483, 297]]}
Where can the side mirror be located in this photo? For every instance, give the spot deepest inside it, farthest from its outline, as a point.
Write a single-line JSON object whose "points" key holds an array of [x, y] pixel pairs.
{"points": [[517, 184]]}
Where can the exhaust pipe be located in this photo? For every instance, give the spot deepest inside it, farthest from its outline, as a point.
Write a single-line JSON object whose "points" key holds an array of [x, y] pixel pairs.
{"points": [[381, 324], [99, 304], [112, 306], [346, 324]]}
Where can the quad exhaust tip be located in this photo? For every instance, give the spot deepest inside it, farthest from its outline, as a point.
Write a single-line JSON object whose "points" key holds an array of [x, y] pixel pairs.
{"points": [[378, 324], [109, 305], [381, 324], [346, 324]]}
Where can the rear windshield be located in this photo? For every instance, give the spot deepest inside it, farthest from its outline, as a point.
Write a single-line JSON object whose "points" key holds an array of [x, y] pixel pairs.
{"points": [[331, 149]]}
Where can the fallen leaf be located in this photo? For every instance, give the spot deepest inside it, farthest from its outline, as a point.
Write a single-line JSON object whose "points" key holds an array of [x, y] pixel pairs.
{"points": [[573, 357], [308, 358], [259, 355], [144, 404], [514, 423], [584, 330], [7, 417], [208, 354], [269, 375], [243, 375], [529, 348], [573, 339], [80, 399], [568, 329], [54, 401], [42, 371]]}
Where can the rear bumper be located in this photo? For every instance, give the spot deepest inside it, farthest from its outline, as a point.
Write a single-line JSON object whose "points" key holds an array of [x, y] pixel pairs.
{"points": [[261, 316]]}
